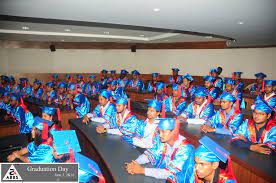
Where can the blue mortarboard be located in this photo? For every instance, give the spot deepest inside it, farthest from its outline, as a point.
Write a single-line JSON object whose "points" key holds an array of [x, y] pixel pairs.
{"points": [[12, 78], [160, 86], [38, 122], [229, 81], [65, 139], [155, 104], [5, 78], [68, 76], [87, 168], [22, 80], [227, 96], [50, 84], [238, 73], [214, 70], [79, 99], [261, 105], [55, 76], [201, 92], [188, 76], [62, 84], [114, 82], [155, 75], [14, 97], [49, 110], [260, 75], [79, 76], [5, 94], [104, 71], [270, 82], [175, 69], [166, 123], [113, 71], [105, 93], [209, 78], [92, 76], [72, 86], [135, 72], [122, 100], [124, 71], [175, 86], [38, 82], [210, 151]]}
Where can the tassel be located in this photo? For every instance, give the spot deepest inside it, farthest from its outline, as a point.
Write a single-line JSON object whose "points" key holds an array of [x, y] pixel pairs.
{"points": [[165, 89], [233, 75], [111, 100], [25, 83], [158, 78], [71, 79], [237, 106], [44, 131], [263, 85], [128, 104], [22, 104], [179, 91], [100, 176], [163, 114], [209, 98], [58, 114], [176, 129]]}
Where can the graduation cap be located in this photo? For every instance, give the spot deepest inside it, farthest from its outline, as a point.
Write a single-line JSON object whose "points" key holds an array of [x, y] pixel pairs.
{"points": [[62, 84], [237, 73], [114, 82], [188, 76], [105, 93], [175, 69], [12, 78], [201, 92], [79, 76], [209, 78], [155, 104], [92, 76], [166, 123], [260, 75], [229, 81], [214, 70], [72, 86], [14, 97], [55, 76], [113, 71], [210, 151], [262, 105], [5, 78], [104, 71], [123, 101], [160, 86], [43, 125], [155, 75], [270, 82], [88, 169], [227, 96], [49, 110], [64, 140], [124, 71], [38, 82], [135, 72], [50, 84], [5, 94]]}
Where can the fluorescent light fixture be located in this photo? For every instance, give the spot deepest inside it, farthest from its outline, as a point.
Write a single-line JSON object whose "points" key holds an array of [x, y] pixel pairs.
{"points": [[25, 28], [156, 9]]}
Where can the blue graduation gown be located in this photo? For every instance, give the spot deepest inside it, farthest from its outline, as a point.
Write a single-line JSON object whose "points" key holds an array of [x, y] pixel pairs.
{"points": [[214, 93], [24, 118], [206, 113], [118, 93], [91, 89], [176, 107], [109, 112], [138, 85], [123, 82], [177, 81], [83, 107], [40, 154], [218, 83], [37, 94], [271, 101], [162, 97]]}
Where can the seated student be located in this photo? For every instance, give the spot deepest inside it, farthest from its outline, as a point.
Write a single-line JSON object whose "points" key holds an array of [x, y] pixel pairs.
{"points": [[123, 80], [230, 87], [209, 85], [5, 103], [123, 123], [92, 87], [50, 95], [152, 83], [187, 81], [171, 153], [258, 87], [49, 113], [103, 111], [212, 164], [69, 79], [22, 115], [5, 80], [62, 94], [12, 85], [78, 101], [218, 82], [116, 91], [238, 83], [80, 83], [227, 119], [39, 150], [200, 108], [37, 90], [135, 82], [55, 79], [160, 94], [176, 103], [103, 79], [175, 78], [113, 76], [269, 94], [258, 134], [147, 130], [26, 88]]}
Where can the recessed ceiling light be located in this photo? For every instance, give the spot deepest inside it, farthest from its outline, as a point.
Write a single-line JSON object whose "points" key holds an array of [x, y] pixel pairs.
{"points": [[128, 40], [240, 22], [106, 32], [62, 40], [142, 35], [25, 28], [166, 40], [67, 30], [208, 37], [156, 9]]}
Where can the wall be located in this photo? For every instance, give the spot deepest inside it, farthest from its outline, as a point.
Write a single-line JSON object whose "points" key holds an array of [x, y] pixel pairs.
{"points": [[194, 61]]}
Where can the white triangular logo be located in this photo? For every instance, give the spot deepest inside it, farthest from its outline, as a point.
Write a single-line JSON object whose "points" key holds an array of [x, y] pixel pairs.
{"points": [[12, 174]]}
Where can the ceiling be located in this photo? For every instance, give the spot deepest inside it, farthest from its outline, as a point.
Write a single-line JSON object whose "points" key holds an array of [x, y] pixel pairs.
{"points": [[248, 22]]}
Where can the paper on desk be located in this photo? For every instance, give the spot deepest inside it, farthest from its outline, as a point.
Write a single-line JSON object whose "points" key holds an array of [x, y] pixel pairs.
{"points": [[196, 121]]}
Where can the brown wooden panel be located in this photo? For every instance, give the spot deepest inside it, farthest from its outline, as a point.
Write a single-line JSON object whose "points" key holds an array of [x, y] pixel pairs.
{"points": [[9, 129]]}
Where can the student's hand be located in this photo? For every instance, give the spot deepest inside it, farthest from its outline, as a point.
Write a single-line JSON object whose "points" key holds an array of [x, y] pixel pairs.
{"points": [[134, 168], [259, 149], [11, 158], [100, 129], [85, 119], [207, 129], [182, 119], [55, 153]]}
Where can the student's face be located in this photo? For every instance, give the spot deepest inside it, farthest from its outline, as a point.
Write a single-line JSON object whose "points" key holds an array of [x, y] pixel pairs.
{"points": [[92, 80], [214, 74], [199, 100], [207, 84], [13, 102], [113, 74], [175, 93], [122, 76], [152, 113], [71, 92], [268, 88], [61, 89], [186, 82], [259, 80], [260, 116], [6, 99], [48, 88], [203, 168], [78, 80], [154, 78], [165, 135], [237, 76], [160, 92], [229, 87], [36, 86], [135, 76], [47, 117], [120, 108], [175, 73], [33, 132], [225, 104], [113, 87], [102, 101]]}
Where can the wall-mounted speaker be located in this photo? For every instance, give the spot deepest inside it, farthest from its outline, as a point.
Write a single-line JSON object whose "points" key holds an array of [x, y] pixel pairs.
{"points": [[52, 48], [133, 48]]}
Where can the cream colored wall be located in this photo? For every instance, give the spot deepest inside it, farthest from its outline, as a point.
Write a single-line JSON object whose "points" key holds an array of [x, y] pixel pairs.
{"points": [[196, 62]]}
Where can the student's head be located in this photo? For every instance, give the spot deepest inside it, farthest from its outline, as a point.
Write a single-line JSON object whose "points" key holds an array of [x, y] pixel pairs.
{"points": [[160, 88], [68, 78], [72, 89], [135, 74], [79, 78], [214, 72], [227, 100], [237, 75], [269, 85], [175, 71], [113, 85], [104, 97], [50, 86], [62, 87], [187, 79], [121, 104], [200, 95], [154, 109], [229, 84], [14, 100], [260, 77], [155, 76], [208, 81], [123, 73], [6, 97], [175, 92], [92, 78], [104, 73], [48, 113], [261, 112], [40, 131], [37, 84], [113, 73], [166, 129]]}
